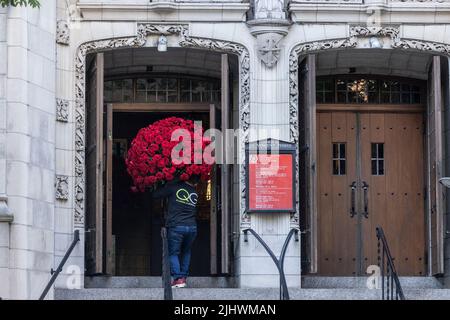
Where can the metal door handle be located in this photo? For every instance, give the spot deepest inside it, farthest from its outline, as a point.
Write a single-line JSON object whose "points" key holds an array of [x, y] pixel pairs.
{"points": [[365, 187], [353, 199]]}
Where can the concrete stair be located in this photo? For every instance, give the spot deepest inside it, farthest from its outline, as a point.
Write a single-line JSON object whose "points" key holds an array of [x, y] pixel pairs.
{"points": [[220, 288], [360, 282], [155, 282], [242, 294]]}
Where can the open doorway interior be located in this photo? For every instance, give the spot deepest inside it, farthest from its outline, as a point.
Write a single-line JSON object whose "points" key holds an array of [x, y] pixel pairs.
{"points": [[137, 218], [129, 89]]}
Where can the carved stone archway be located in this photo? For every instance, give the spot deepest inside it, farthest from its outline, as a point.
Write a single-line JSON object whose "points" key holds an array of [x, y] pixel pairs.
{"points": [[356, 33], [139, 41]]}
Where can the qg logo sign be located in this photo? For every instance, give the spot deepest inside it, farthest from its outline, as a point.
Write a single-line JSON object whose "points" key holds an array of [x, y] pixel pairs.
{"points": [[183, 196]]}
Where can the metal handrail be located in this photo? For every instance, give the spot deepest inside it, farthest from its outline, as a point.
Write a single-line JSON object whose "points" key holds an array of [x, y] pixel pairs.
{"points": [[55, 274], [284, 292], [389, 277], [165, 272], [166, 277]]}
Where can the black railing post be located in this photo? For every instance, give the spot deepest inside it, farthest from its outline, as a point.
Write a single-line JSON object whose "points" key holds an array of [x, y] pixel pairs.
{"points": [[55, 274], [284, 293], [166, 278], [165, 263], [387, 269]]}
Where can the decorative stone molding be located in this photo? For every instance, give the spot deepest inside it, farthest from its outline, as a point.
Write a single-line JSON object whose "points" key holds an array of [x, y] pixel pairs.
{"points": [[62, 32], [432, 47], [375, 31], [5, 214], [144, 29], [62, 110], [62, 187], [268, 48]]}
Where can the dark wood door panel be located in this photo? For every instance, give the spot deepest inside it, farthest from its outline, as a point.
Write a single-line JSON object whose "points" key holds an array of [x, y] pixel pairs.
{"points": [[392, 165], [337, 231]]}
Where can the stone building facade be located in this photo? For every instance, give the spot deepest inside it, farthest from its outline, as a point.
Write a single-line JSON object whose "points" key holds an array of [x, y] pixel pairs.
{"points": [[276, 49]]}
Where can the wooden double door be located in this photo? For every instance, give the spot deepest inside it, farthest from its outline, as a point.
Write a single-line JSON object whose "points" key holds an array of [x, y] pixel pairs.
{"points": [[370, 170]]}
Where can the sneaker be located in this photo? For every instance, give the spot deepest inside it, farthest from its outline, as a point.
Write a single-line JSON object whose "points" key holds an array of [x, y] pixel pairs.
{"points": [[179, 283]]}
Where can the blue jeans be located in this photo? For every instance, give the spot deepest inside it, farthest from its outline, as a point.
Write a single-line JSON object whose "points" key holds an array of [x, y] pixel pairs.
{"points": [[180, 239]]}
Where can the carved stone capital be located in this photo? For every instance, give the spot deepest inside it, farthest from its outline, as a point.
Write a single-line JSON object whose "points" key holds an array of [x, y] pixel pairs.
{"points": [[62, 32], [62, 187], [62, 110]]}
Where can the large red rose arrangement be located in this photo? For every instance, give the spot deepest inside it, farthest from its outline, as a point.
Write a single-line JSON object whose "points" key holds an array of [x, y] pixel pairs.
{"points": [[149, 159]]}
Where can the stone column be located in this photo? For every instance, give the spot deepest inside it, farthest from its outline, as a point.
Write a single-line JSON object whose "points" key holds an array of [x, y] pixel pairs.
{"points": [[30, 146], [269, 118], [5, 213]]}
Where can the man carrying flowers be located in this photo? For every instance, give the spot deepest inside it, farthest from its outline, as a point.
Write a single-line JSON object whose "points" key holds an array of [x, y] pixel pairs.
{"points": [[152, 168], [181, 225]]}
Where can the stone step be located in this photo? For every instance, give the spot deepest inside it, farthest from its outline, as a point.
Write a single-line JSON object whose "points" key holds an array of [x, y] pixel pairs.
{"points": [[242, 294], [361, 282], [155, 282]]}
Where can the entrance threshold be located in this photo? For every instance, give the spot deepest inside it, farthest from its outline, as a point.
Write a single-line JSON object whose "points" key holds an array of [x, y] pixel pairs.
{"points": [[323, 282], [155, 282]]}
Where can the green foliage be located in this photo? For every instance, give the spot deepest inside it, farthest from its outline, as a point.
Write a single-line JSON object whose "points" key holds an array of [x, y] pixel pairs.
{"points": [[15, 3]]}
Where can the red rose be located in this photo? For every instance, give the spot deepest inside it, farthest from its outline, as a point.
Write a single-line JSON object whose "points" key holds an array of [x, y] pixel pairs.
{"points": [[149, 158], [161, 163]]}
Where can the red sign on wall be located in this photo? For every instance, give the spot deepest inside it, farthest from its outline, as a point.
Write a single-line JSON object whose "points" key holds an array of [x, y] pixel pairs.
{"points": [[271, 182]]}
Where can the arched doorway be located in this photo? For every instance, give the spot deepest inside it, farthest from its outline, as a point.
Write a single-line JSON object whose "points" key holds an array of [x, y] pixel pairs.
{"points": [[127, 90], [375, 127]]}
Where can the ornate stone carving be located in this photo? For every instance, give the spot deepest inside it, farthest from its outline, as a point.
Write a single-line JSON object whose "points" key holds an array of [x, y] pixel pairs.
{"points": [[139, 41], [367, 31], [269, 9], [80, 81], [62, 187], [62, 110], [434, 47], [62, 32], [144, 29], [268, 49]]}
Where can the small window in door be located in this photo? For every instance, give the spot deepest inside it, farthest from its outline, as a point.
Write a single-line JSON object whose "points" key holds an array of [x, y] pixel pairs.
{"points": [[378, 159], [339, 159]]}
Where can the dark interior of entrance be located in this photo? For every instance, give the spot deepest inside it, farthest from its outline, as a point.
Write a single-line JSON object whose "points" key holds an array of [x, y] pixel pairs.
{"points": [[129, 89], [137, 218]]}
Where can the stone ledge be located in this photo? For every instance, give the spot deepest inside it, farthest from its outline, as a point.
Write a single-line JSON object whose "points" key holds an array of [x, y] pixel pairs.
{"points": [[170, 11]]}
